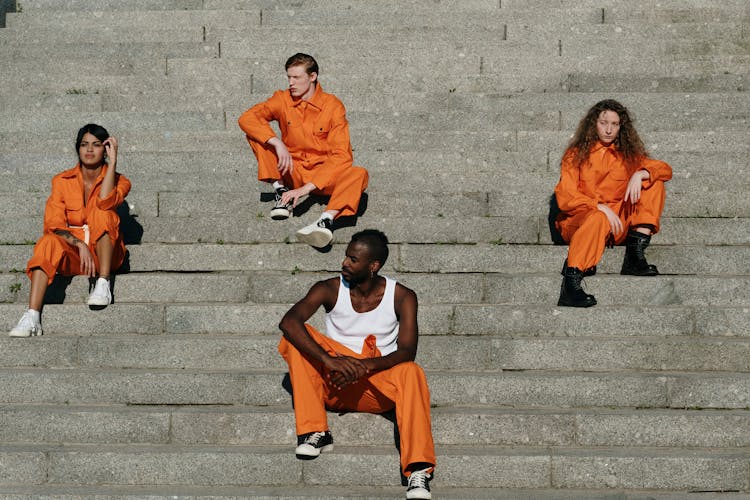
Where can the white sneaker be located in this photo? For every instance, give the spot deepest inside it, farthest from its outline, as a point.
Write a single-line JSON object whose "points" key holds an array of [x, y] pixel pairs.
{"points": [[100, 296], [27, 327], [317, 234]]}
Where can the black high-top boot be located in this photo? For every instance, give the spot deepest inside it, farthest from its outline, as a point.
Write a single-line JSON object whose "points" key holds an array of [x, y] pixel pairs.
{"points": [[634, 262], [571, 293], [591, 271]]}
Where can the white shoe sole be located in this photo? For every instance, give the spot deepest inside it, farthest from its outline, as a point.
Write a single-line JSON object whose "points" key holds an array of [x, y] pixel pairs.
{"points": [[98, 303], [24, 334], [315, 236], [421, 494], [308, 452], [280, 214]]}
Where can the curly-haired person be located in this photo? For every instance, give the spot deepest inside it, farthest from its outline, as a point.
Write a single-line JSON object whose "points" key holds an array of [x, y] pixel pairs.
{"points": [[609, 192]]}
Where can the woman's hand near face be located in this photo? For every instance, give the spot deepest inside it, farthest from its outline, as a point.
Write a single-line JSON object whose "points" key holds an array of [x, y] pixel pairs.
{"points": [[110, 146]]}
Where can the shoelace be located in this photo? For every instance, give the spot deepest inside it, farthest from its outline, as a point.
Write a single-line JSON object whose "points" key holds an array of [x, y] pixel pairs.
{"points": [[418, 479], [313, 438]]}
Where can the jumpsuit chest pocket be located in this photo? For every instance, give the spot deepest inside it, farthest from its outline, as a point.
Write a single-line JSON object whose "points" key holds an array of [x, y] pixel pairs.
{"points": [[74, 213], [321, 129]]}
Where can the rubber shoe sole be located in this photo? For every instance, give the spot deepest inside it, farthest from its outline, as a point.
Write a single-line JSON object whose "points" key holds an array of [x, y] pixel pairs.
{"points": [[26, 333], [315, 236], [309, 452], [280, 213]]}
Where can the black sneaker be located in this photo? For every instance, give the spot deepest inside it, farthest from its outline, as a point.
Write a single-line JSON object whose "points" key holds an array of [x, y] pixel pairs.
{"points": [[419, 485], [310, 445], [280, 210], [318, 234]]}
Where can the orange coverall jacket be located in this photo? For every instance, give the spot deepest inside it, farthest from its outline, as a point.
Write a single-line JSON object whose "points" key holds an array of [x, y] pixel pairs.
{"points": [[67, 210], [603, 178], [316, 133]]}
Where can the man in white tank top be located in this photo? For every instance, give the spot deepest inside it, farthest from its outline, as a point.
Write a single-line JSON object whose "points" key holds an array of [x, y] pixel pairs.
{"points": [[364, 362]]}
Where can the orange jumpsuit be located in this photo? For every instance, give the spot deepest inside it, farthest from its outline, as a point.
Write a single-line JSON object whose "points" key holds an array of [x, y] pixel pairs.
{"points": [[604, 179], [67, 210], [402, 386], [316, 133]]}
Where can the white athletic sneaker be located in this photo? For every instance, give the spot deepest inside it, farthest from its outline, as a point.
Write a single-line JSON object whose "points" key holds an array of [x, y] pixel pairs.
{"points": [[318, 234], [100, 296], [27, 327]]}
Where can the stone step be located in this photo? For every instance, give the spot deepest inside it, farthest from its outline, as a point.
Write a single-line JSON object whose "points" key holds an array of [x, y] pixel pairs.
{"points": [[132, 52], [642, 354], [449, 258], [38, 6], [451, 5], [270, 287], [143, 56], [505, 320], [252, 224], [556, 111], [310, 492], [258, 426], [420, 15], [552, 389], [472, 112], [725, 74], [224, 176], [216, 466]]}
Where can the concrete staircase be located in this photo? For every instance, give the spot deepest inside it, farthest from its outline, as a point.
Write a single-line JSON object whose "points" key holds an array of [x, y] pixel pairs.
{"points": [[460, 110]]}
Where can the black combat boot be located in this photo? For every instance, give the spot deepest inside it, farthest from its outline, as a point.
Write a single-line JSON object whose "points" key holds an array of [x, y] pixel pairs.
{"points": [[591, 271], [634, 262], [571, 293]]}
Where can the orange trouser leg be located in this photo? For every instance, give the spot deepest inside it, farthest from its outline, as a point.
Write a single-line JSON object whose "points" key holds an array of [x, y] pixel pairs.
{"points": [[52, 254], [403, 386], [406, 385], [346, 193], [106, 221], [586, 231], [268, 170], [586, 234], [649, 208]]}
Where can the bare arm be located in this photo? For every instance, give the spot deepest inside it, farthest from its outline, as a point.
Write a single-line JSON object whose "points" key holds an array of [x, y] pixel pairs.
{"points": [[323, 293], [108, 184], [87, 260]]}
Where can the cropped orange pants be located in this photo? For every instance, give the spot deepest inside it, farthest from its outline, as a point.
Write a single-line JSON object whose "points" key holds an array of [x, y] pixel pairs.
{"points": [[403, 386], [54, 255], [587, 230], [343, 183]]}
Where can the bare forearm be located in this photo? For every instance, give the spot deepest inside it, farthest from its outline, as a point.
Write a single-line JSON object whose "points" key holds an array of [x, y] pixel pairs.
{"points": [[68, 237], [389, 360], [296, 333]]}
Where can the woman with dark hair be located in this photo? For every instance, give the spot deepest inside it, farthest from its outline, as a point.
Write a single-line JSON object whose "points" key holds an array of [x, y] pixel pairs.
{"points": [[81, 226], [610, 191]]}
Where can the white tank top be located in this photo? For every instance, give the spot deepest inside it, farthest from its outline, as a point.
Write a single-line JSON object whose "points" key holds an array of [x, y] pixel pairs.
{"points": [[350, 328]]}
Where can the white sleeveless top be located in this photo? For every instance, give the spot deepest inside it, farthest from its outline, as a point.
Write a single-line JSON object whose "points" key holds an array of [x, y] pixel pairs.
{"points": [[350, 328]]}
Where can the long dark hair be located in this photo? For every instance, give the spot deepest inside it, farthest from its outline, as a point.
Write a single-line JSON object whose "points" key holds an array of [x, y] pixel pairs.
{"points": [[628, 142]]}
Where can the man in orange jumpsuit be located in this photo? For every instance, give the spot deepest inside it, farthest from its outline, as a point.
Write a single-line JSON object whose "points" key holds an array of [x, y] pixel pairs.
{"points": [[81, 226], [609, 191], [364, 362], [313, 155]]}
